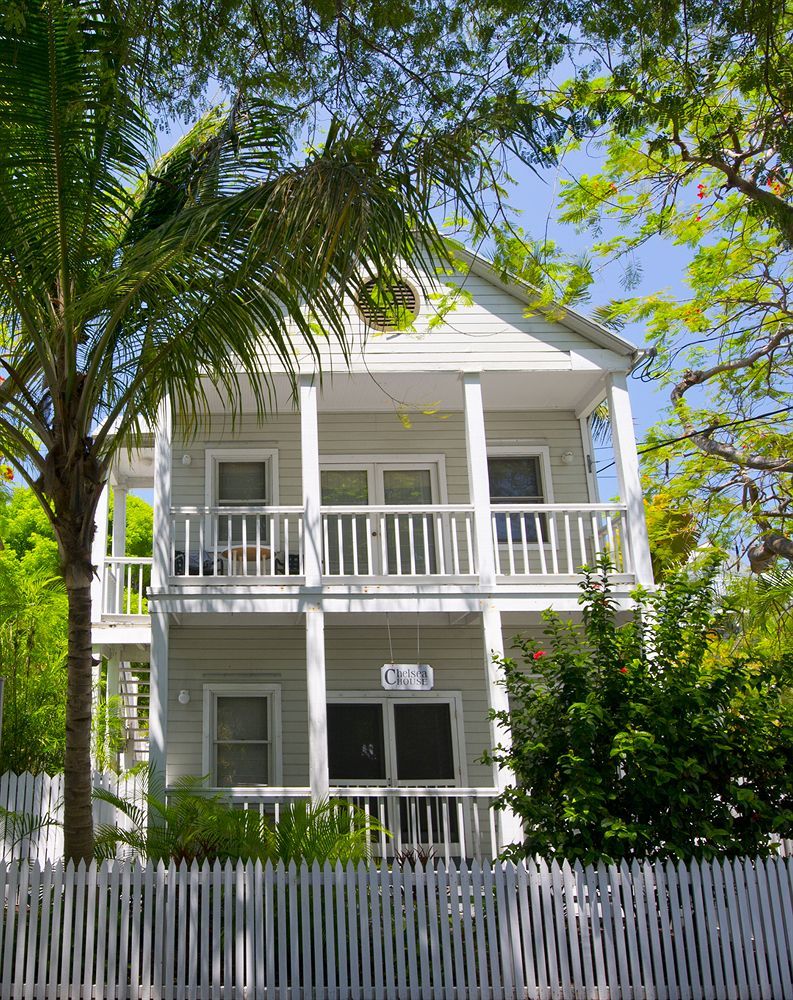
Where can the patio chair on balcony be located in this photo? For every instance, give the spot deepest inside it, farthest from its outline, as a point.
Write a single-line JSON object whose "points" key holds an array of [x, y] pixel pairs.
{"points": [[197, 564]]}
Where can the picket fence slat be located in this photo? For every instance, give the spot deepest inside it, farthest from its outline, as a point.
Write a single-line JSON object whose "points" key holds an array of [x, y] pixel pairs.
{"points": [[457, 931]]}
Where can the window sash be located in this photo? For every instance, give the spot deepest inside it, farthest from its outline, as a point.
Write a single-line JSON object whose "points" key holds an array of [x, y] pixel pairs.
{"points": [[257, 498], [509, 526], [219, 742]]}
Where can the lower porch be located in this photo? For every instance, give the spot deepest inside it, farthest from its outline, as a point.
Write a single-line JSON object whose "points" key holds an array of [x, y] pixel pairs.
{"points": [[387, 712]]}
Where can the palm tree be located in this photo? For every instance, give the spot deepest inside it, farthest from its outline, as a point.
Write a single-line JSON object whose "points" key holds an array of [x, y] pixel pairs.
{"points": [[125, 279]]}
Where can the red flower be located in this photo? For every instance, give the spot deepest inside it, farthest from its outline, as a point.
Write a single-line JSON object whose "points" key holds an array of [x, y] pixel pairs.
{"points": [[538, 655], [623, 670], [7, 472], [698, 218]]}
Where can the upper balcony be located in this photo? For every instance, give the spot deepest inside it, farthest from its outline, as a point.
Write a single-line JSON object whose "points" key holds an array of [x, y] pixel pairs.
{"points": [[533, 543], [349, 511]]}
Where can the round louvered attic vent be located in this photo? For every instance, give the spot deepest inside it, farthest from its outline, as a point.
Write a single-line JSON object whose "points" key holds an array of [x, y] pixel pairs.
{"points": [[389, 307]]}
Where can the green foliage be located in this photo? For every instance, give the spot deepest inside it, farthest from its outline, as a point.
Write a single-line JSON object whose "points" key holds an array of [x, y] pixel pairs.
{"points": [[108, 732], [641, 738], [684, 112], [187, 825], [26, 531], [32, 659], [140, 526]]}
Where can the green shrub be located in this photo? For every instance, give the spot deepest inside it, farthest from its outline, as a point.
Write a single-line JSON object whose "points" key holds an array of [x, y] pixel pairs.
{"points": [[646, 738], [189, 825]]}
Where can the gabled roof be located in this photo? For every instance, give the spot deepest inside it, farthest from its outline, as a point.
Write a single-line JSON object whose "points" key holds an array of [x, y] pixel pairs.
{"points": [[571, 318]]}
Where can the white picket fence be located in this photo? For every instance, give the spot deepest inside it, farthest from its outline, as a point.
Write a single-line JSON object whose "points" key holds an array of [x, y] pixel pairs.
{"points": [[41, 795], [711, 931]]}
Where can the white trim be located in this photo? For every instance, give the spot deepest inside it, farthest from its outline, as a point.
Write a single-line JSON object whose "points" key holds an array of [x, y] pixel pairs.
{"points": [[451, 698], [232, 453], [589, 460], [628, 475], [273, 694]]}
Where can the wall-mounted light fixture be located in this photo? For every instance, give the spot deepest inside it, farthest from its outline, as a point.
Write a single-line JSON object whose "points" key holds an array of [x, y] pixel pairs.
{"points": [[567, 457], [184, 697], [187, 459]]}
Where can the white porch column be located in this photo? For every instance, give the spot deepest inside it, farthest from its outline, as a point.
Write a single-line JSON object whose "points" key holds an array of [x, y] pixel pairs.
{"points": [[120, 519], [627, 463], [478, 480], [160, 571], [158, 692], [161, 562], [498, 701], [312, 569], [309, 460], [317, 703], [98, 555]]}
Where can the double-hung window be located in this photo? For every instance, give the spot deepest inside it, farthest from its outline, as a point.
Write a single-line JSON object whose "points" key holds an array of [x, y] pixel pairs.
{"points": [[241, 725], [239, 478], [517, 480]]}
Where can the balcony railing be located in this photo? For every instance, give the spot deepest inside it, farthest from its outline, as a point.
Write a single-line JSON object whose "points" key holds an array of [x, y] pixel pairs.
{"points": [[239, 541], [558, 539], [398, 541], [124, 585], [395, 542], [445, 822]]}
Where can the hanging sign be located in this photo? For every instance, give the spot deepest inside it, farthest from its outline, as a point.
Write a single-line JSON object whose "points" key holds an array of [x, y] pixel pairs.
{"points": [[407, 677]]}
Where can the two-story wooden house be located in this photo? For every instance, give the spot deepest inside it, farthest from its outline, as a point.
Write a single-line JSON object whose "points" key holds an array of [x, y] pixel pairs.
{"points": [[329, 585]]}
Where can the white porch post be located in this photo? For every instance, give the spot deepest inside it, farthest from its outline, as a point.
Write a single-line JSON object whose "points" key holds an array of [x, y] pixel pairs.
{"points": [[627, 463], [158, 692], [98, 555], [309, 458], [478, 480], [160, 570], [161, 562], [120, 519], [317, 704], [509, 827], [312, 570]]}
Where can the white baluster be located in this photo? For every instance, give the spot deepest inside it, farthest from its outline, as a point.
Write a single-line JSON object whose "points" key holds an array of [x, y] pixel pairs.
{"points": [[540, 544]]}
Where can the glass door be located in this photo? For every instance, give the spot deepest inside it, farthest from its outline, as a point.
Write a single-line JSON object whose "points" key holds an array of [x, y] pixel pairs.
{"points": [[379, 544], [410, 538], [348, 550]]}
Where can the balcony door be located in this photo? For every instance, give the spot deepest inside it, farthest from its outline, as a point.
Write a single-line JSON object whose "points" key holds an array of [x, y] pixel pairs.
{"points": [[378, 542]]}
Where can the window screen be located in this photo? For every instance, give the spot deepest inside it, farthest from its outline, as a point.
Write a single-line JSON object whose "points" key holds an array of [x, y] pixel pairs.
{"points": [[356, 747], [423, 734], [516, 480], [242, 740], [242, 483]]}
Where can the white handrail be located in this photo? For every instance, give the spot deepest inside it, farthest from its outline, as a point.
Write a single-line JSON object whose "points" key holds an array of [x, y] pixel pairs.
{"points": [[558, 539]]}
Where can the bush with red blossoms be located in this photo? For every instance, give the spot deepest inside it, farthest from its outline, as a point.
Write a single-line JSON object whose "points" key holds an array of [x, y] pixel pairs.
{"points": [[644, 738]]}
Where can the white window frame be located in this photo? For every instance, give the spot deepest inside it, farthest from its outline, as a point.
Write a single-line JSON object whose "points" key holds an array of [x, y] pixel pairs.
{"points": [[541, 451], [273, 694], [213, 456], [390, 698]]}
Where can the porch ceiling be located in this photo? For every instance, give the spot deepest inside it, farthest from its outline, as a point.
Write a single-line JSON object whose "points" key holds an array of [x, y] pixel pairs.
{"points": [[346, 392]]}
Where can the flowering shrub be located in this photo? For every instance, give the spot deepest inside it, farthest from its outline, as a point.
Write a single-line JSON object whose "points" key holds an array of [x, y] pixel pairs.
{"points": [[642, 737]]}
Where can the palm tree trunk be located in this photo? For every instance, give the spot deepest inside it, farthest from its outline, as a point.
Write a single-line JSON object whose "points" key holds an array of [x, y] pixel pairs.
{"points": [[78, 827]]}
